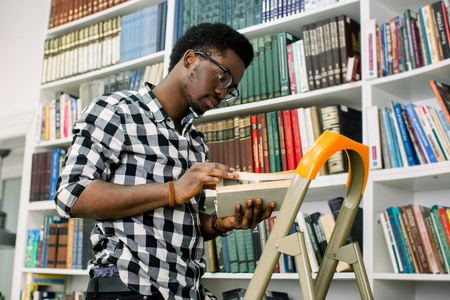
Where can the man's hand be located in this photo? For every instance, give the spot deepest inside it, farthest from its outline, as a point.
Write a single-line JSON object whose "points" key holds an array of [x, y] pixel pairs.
{"points": [[252, 216], [191, 183]]}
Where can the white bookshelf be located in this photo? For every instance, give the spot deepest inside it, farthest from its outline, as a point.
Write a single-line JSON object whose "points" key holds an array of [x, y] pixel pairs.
{"points": [[426, 184]]}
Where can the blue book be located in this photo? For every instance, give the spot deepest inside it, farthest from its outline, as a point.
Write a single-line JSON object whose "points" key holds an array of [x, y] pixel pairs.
{"points": [[395, 225], [289, 261], [241, 251], [249, 250], [233, 253], [425, 38], [411, 154], [257, 12], [54, 171], [420, 133], [226, 256], [394, 156]]}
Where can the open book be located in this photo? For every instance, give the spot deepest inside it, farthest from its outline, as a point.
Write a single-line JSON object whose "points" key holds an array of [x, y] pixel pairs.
{"points": [[267, 186]]}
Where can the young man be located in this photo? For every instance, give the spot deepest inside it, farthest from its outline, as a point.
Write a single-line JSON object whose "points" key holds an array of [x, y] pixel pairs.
{"points": [[138, 166]]}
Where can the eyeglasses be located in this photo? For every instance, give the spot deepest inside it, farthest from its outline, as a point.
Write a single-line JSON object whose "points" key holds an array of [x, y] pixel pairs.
{"points": [[225, 80]]}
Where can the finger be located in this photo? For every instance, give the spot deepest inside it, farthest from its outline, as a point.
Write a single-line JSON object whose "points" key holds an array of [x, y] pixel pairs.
{"points": [[237, 214], [256, 212], [246, 221], [268, 211]]}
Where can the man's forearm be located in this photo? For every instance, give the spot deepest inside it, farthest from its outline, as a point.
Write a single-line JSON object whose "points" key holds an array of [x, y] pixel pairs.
{"points": [[104, 200]]}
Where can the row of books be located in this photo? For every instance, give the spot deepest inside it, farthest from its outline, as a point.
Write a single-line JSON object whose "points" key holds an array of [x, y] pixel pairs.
{"points": [[417, 238], [283, 64], [412, 134], [276, 141], [66, 11], [105, 43], [408, 41], [240, 251], [84, 50], [48, 286], [44, 173], [55, 119], [240, 14], [60, 243], [143, 32], [239, 293]]}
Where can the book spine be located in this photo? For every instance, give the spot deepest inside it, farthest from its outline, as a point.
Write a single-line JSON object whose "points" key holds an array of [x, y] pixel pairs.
{"points": [[255, 143], [282, 44], [282, 140], [370, 38], [308, 57], [392, 247], [425, 239], [393, 219], [422, 261], [411, 155], [420, 132], [439, 18], [291, 68]]}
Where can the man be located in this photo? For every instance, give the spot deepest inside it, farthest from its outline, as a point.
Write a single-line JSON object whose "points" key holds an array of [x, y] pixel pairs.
{"points": [[138, 166]]}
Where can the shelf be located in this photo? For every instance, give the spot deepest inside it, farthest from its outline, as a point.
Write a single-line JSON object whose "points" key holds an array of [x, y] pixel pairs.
{"points": [[64, 143], [421, 178], [44, 205], [346, 94], [275, 276], [412, 277], [56, 271], [72, 84], [118, 10], [292, 24], [413, 85]]}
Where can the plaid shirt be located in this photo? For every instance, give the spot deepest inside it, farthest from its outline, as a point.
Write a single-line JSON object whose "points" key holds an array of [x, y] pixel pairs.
{"points": [[128, 138]]}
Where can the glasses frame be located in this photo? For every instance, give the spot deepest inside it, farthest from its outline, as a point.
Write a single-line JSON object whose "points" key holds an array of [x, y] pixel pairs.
{"points": [[230, 85]]}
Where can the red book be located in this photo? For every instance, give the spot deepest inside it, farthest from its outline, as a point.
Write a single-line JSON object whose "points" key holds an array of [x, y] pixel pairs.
{"points": [[288, 136], [442, 94], [260, 133], [291, 69], [248, 144], [265, 142], [242, 149], [254, 124], [237, 149], [445, 222], [271, 222], [283, 154], [296, 136]]}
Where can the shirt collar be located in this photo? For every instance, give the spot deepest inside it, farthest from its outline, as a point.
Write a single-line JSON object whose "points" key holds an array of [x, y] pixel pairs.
{"points": [[158, 111]]}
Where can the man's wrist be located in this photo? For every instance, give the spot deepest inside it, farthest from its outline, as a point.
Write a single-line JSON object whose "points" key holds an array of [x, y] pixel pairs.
{"points": [[214, 222]]}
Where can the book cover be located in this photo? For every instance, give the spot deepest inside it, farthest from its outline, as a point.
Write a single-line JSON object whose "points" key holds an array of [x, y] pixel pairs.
{"points": [[32, 248], [392, 247], [318, 230], [423, 139], [289, 139], [61, 248], [268, 186], [211, 255], [296, 136], [410, 153], [442, 93], [291, 69], [349, 40], [373, 136], [371, 40], [308, 57], [439, 227], [300, 220], [392, 213], [284, 39]]}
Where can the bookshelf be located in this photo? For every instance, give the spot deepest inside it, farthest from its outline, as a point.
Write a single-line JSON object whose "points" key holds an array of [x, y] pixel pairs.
{"points": [[402, 186]]}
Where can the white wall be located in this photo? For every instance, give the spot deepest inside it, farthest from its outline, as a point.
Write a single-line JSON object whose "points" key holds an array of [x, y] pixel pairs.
{"points": [[22, 33]]}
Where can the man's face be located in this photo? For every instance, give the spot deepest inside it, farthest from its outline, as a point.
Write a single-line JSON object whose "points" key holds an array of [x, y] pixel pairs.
{"points": [[202, 89]]}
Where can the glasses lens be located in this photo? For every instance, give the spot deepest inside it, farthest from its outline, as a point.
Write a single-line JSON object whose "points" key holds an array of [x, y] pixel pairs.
{"points": [[232, 95], [225, 80]]}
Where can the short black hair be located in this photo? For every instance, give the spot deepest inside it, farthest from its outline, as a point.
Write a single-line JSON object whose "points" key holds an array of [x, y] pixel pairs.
{"points": [[212, 37]]}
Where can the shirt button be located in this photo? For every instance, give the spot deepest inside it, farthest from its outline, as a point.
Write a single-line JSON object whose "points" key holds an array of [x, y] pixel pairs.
{"points": [[145, 298]]}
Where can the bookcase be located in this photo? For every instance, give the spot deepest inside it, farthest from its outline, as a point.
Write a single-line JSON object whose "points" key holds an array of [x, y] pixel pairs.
{"points": [[418, 184]]}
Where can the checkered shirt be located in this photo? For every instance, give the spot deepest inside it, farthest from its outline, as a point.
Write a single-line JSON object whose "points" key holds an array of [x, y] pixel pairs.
{"points": [[128, 138]]}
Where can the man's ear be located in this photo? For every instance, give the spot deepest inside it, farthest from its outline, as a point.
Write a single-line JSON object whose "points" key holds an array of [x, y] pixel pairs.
{"points": [[188, 58]]}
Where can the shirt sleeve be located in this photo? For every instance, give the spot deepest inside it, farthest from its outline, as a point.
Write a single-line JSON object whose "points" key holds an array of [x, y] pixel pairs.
{"points": [[96, 148]]}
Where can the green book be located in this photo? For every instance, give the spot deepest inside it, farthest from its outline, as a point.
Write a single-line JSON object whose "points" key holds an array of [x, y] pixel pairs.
{"points": [[255, 69], [268, 58], [249, 250], [243, 89], [436, 216], [313, 238], [271, 140], [250, 84], [219, 253], [241, 251], [277, 150], [284, 39], [233, 253], [276, 66], [262, 67]]}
